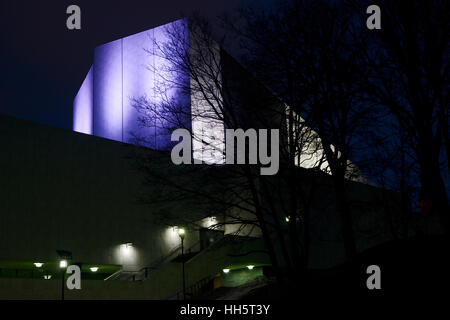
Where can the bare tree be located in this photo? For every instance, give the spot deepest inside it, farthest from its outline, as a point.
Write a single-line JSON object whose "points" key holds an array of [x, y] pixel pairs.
{"points": [[310, 53], [409, 63], [224, 95]]}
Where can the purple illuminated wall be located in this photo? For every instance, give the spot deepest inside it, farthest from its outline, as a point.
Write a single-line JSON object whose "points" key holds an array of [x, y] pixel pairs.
{"points": [[83, 106], [124, 70], [108, 91], [138, 80]]}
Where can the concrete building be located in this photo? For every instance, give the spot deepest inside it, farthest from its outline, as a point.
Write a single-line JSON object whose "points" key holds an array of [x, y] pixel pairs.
{"points": [[80, 191], [63, 190]]}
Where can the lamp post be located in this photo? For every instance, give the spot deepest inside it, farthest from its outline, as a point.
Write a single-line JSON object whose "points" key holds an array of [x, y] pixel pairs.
{"points": [[182, 233], [63, 266], [64, 256]]}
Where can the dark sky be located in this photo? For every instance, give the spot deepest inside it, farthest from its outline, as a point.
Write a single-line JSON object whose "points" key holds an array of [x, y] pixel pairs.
{"points": [[43, 63]]}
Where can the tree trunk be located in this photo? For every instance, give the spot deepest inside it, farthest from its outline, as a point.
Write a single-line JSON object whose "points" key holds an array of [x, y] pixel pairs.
{"points": [[433, 188], [275, 217], [264, 229]]}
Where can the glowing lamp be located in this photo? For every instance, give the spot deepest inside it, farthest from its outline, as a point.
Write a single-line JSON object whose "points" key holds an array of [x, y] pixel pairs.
{"points": [[181, 232]]}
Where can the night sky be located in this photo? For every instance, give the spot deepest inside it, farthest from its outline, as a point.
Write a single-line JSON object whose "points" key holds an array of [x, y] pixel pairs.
{"points": [[43, 63]]}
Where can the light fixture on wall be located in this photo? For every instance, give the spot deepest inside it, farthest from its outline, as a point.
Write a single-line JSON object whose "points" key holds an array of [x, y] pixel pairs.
{"points": [[38, 264], [226, 270], [250, 267], [94, 269], [47, 276]]}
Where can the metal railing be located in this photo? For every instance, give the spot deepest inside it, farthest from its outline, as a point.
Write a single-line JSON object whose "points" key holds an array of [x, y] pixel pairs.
{"points": [[194, 290], [145, 272]]}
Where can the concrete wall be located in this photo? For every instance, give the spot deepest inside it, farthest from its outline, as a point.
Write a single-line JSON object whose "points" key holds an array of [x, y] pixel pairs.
{"points": [[160, 285], [239, 277], [66, 190], [71, 191]]}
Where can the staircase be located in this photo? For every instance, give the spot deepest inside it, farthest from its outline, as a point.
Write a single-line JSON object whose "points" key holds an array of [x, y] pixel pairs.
{"points": [[145, 272], [201, 267], [196, 289]]}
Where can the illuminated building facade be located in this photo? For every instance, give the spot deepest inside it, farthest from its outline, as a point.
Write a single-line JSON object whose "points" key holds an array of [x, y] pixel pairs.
{"points": [[132, 68], [78, 191]]}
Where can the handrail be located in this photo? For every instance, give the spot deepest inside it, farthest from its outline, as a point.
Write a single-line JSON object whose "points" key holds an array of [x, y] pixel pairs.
{"points": [[198, 286], [115, 274], [143, 273], [163, 261]]}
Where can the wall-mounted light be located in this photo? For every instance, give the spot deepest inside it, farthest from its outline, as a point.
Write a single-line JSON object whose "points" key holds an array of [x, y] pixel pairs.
{"points": [[94, 269], [250, 267], [38, 264], [287, 219], [126, 253], [47, 276], [63, 264], [226, 270]]}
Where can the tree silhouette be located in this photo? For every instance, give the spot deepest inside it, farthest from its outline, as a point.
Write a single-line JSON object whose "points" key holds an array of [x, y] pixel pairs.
{"points": [[309, 52], [224, 94], [409, 64]]}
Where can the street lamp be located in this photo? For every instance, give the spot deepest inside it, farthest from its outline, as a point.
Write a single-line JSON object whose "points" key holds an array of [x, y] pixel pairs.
{"points": [[63, 264], [182, 234], [64, 256]]}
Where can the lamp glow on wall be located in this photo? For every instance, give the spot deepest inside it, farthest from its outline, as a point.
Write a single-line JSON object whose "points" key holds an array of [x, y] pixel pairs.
{"points": [[126, 254], [127, 249]]}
